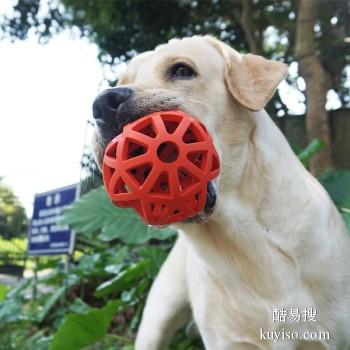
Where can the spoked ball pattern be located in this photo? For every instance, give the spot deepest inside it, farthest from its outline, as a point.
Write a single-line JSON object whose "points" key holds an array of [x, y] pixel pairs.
{"points": [[160, 165]]}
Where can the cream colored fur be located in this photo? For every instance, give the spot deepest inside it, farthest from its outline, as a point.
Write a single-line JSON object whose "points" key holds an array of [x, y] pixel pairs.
{"points": [[275, 239]]}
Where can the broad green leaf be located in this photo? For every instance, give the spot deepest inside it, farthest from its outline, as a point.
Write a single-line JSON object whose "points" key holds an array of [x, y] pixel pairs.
{"points": [[90, 265], [124, 280], [24, 285], [52, 300], [129, 228], [337, 183], [134, 233], [311, 149], [114, 269], [38, 341], [80, 330], [128, 295], [156, 256], [346, 216], [94, 212], [10, 311], [119, 255], [79, 307]]}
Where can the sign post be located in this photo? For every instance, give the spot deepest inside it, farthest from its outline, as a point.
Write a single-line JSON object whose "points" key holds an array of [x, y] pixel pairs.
{"points": [[46, 235]]}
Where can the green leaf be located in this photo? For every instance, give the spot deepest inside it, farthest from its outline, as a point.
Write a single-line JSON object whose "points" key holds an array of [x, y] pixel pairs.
{"points": [[3, 290], [89, 264], [124, 280], [79, 331], [128, 295], [10, 311], [50, 303], [337, 183], [156, 256], [23, 286], [79, 307], [119, 255], [128, 228], [313, 147], [94, 212], [114, 269], [346, 216]]}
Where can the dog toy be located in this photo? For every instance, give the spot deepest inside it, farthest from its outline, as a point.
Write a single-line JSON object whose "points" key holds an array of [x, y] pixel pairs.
{"points": [[160, 165]]}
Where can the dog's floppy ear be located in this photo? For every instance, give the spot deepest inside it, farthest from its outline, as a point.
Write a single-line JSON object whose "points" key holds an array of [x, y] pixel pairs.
{"points": [[251, 79]]}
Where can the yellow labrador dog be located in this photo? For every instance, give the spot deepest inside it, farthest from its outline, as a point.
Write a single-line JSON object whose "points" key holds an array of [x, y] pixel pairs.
{"points": [[267, 263]]}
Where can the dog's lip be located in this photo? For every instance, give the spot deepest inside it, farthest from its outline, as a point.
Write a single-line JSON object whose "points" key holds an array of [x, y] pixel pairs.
{"points": [[211, 196]]}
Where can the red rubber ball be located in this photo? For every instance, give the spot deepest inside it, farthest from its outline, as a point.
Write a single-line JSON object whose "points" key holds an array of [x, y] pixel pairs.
{"points": [[160, 165]]}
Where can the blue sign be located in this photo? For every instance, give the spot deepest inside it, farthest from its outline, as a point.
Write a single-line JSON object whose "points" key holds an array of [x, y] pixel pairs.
{"points": [[46, 235]]}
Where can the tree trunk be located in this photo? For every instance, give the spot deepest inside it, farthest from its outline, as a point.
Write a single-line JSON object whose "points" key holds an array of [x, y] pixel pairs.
{"points": [[317, 82], [248, 27]]}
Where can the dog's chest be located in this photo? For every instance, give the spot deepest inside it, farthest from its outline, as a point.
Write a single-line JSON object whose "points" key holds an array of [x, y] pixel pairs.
{"points": [[229, 316], [224, 308], [231, 308]]}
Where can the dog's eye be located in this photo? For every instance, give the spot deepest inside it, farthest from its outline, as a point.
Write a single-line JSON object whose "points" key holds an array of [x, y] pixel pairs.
{"points": [[181, 71]]}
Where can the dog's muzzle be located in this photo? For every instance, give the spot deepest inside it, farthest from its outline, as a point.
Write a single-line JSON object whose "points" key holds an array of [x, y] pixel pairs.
{"points": [[111, 112], [107, 111]]}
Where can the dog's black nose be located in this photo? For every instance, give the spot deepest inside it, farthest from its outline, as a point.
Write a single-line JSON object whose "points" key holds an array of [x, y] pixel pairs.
{"points": [[106, 104]]}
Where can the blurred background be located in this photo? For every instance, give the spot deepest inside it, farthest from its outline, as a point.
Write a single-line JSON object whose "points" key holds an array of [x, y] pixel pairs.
{"points": [[55, 57]]}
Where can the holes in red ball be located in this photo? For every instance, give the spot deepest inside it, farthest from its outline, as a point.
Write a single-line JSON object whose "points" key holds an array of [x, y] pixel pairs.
{"points": [[176, 215], [198, 158], [168, 152], [134, 149], [186, 179], [157, 209], [192, 135], [121, 187], [194, 201], [145, 127], [108, 172], [171, 126], [148, 130], [161, 185], [112, 151], [140, 173], [171, 122], [196, 196]]}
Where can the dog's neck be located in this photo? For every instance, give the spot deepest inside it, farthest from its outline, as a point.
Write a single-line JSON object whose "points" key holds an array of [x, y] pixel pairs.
{"points": [[254, 169], [241, 231]]}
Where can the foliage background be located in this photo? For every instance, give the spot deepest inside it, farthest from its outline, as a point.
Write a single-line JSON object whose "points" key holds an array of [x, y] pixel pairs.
{"points": [[96, 302], [13, 220]]}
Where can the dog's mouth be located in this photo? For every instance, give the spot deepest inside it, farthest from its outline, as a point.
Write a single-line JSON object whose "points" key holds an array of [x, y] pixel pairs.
{"points": [[106, 134], [210, 203]]}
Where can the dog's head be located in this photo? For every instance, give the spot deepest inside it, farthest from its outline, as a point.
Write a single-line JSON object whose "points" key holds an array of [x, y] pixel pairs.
{"points": [[203, 77]]}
